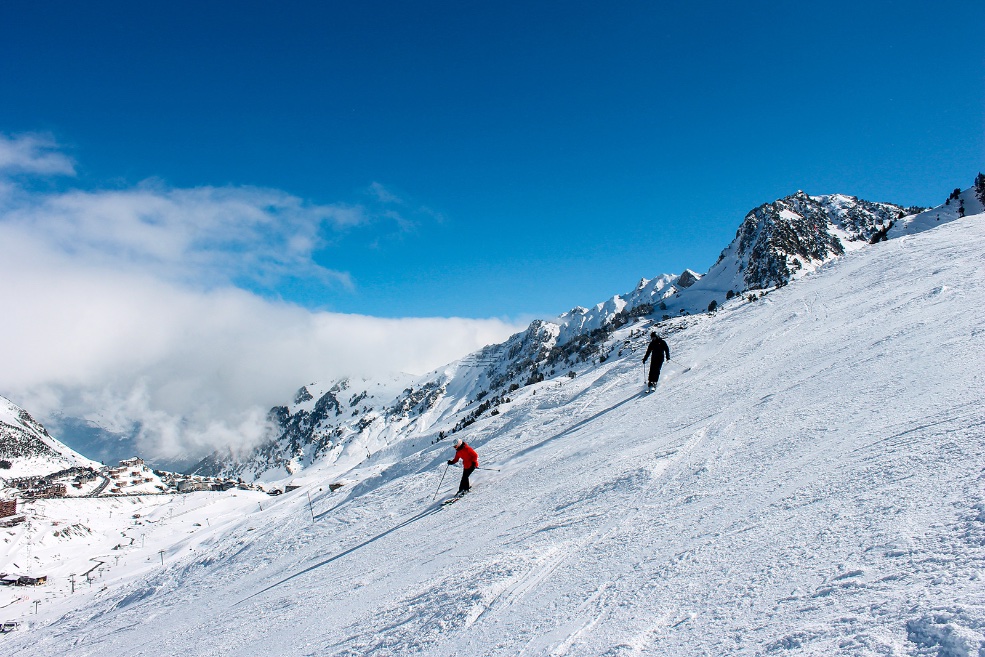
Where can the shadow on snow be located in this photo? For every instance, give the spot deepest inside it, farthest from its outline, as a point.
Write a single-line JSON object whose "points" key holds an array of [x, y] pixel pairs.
{"points": [[402, 524], [574, 427], [431, 511]]}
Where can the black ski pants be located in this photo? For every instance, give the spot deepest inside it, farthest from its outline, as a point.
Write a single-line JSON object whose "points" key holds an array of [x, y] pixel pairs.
{"points": [[655, 366], [464, 485]]}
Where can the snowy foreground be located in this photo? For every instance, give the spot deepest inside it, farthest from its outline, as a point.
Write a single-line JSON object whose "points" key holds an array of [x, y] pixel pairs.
{"points": [[812, 485]]}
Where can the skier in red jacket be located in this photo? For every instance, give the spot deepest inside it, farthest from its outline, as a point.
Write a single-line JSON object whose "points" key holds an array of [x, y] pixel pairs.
{"points": [[470, 461]]}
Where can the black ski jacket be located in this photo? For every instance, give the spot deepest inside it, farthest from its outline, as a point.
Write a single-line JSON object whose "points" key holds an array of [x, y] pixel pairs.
{"points": [[659, 349]]}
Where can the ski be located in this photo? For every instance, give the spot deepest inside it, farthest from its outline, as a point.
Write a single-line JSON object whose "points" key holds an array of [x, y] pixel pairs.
{"points": [[452, 500]]}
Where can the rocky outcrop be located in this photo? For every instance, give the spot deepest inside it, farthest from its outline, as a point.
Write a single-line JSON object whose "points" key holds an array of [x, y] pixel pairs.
{"points": [[687, 279], [778, 240]]}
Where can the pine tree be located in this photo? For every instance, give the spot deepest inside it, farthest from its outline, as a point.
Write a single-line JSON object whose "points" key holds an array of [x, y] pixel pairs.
{"points": [[980, 188]]}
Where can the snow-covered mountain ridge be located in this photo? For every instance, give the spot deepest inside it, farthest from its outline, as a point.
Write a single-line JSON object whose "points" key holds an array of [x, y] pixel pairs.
{"points": [[346, 422], [806, 480], [27, 449], [781, 240]]}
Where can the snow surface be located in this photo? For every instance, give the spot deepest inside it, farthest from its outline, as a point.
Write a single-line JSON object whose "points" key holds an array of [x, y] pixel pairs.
{"points": [[936, 216], [812, 485]]}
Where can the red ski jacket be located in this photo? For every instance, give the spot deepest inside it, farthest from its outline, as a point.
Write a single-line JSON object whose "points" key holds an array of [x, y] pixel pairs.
{"points": [[469, 458]]}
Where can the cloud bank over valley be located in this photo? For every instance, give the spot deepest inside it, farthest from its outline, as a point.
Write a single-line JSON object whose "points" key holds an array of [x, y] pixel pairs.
{"points": [[157, 308]]}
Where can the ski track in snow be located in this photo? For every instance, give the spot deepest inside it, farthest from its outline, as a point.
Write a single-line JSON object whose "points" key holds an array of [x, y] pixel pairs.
{"points": [[813, 486]]}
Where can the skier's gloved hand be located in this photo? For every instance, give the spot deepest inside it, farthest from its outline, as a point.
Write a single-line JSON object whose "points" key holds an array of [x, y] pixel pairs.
{"points": [[451, 462]]}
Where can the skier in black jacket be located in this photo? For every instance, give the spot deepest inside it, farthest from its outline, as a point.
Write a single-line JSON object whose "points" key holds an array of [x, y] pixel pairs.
{"points": [[659, 349]]}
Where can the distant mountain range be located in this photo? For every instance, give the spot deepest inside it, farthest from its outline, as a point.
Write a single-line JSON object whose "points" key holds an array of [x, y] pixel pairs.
{"points": [[344, 422], [90, 438]]}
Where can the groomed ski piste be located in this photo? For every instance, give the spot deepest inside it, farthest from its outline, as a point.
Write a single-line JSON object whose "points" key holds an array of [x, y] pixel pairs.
{"points": [[812, 486]]}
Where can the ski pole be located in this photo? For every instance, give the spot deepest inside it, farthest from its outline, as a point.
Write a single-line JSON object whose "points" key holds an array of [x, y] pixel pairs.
{"points": [[440, 482], [683, 369], [493, 469]]}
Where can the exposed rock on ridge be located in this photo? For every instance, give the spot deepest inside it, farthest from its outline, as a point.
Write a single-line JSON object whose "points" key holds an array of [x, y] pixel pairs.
{"points": [[778, 240]]}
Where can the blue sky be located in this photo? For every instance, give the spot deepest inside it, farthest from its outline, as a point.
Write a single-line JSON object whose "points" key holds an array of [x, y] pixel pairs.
{"points": [[204, 206], [511, 158]]}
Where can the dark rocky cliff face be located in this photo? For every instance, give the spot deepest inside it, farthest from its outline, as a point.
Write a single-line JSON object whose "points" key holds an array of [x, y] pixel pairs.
{"points": [[777, 239]]}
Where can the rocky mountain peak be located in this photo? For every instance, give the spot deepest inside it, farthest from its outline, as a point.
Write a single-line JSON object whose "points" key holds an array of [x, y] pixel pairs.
{"points": [[687, 279], [776, 241]]}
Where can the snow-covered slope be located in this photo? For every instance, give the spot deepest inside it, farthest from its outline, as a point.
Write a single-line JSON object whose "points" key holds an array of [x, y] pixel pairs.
{"points": [[345, 422], [959, 204], [28, 447], [812, 485]]}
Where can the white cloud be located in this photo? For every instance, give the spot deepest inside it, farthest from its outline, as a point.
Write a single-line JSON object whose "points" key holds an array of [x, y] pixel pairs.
{"points": [[384, 195], [33, 153], [195, 368], [122, 305], [204, 236], [404, 213]]}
